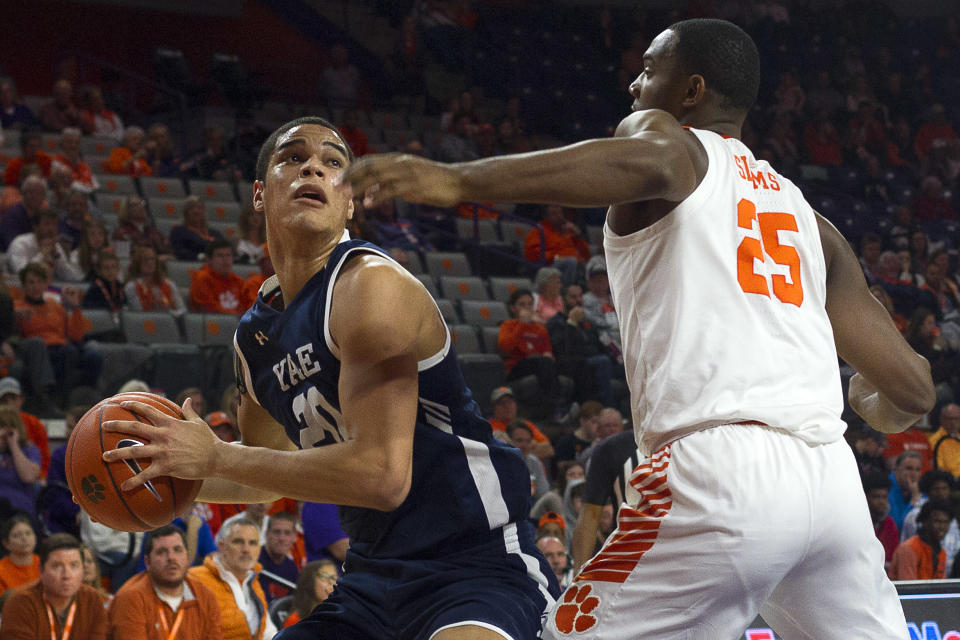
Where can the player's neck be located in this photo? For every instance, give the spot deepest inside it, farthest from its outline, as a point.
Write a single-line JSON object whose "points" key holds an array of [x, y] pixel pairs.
{"points": [[722, 124], [294, 268]]}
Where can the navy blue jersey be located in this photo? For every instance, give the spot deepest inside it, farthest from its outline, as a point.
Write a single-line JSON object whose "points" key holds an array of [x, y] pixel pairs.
{"points": [[466, 484]]}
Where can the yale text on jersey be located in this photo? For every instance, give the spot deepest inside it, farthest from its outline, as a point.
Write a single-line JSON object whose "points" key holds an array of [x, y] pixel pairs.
{"points": [[296, 367]]}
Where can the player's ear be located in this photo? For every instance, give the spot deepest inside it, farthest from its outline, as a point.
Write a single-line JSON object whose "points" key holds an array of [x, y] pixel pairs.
{"points": [[696, 90], [350, 208], [258, 196]]}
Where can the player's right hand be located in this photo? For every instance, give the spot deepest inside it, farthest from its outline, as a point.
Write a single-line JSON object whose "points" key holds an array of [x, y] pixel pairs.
{"points": [[397, 175]]}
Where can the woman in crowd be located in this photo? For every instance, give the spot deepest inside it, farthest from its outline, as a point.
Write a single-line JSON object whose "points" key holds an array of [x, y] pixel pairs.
{"points": [[190, 239], [314, 585], [148, 288], [547, 301], [21, 565], [135, 226], [253, 235], [567, 472], [924, 337], [19, 462], [93, 241], [91, 574]]}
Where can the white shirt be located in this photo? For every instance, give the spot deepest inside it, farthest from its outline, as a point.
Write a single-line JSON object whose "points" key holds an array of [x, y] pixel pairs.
{"points": [[24, 249]]}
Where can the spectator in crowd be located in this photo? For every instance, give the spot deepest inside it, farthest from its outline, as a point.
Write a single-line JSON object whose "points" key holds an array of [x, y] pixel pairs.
{"points": [[106, 291], [609, 423], [868, 445], [26, 357], [163, 601], [458, 145], [871, 246], [314, 585], [561, 244], [69, 156], [18, 219], [31, 153], [212, 162], [11, 395], [905, 486], [571, 445], [231, 573], [573, 506], [117, 552], [13, 114], [58, 600], [946, 440], [92, 576], [876, 486], [99, 120], [148, 288], [19, 462], [60, 326], [21, 565], [216, 288], [251, 286], [580, 354], [930, 203], [43, 246], [551, 524], [522, 438], [275, 556], [59, 186], [163, 160], [942, 288], [525, 346], [398, 233], [93, 241], [921, 557], [135, 226], [923, 335], [935, 485], [547, 285], [353, 134], [937, 127], [567, 472], [130, 158], [322, 536], [555, 551], [505, 413], [341, 81], [76, 214], [191, 239], [253, 235], [598, 305], [61, 513], [62, 111]]}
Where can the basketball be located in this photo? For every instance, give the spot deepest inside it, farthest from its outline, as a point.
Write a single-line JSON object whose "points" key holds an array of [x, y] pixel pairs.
{"points": [[96, 484]]}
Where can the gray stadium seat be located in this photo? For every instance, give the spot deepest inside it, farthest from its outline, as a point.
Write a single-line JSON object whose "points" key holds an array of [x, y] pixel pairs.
{"points": [[514, 232], [212, 190], [447, 264], [485, 313], [489, 335], [448, 311], [463, 288], [180, 271], [100, 323], [111, 203], [245, 191], [429, 283], [162, 187], [483, 372], [111, 183], [96, 146], [502, 288], [228, 230], [486, 230], [218, 328], [464, 339], [150, 327], [166, 208], [227, 212]]}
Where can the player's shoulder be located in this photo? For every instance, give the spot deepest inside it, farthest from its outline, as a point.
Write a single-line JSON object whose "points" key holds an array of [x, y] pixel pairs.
{"points": [[649, 120], [372, 275]]}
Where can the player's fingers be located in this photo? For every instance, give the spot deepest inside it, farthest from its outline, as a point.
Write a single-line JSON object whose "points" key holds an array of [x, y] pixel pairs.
{"points": [[142, 478], [132, 428], [129, 449], [188, 411], [151, 413]]}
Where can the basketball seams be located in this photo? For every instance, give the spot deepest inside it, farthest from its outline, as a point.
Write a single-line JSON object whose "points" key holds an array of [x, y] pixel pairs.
{"points": [[113, 481]]}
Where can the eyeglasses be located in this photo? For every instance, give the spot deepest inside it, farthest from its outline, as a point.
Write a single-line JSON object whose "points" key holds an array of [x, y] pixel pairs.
{"points": [[329, 577]]}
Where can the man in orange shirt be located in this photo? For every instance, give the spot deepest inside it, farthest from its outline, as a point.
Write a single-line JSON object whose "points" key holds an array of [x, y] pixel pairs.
{"points": [[505, 412], [922, 557], [561, 244], [30, 153], [69, 157], [216, 288], [130, 158], [163, 601], [61, 331]]}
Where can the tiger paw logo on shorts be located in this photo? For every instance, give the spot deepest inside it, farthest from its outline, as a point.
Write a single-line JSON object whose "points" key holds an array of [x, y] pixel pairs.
{"points": [[574, 613]]}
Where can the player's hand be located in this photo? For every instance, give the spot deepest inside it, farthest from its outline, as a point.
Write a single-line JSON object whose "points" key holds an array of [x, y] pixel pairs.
{"points": [[877, 410], [398, 175], [181, 448]]}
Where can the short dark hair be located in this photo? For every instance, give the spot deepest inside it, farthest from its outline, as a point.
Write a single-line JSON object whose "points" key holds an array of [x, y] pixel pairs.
{"points": [[162, 532], [44, 214], [56, 542], [934, 476], [13, 521], [517, 425], [219, 243], [29, 135], [34, 268], [724, 55], [875, 480], [934, 505], [517, 294], [271, 142], [281, 515]]}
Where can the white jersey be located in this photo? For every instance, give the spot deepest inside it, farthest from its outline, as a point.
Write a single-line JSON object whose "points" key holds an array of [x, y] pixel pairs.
{"points": [[722, 308]]}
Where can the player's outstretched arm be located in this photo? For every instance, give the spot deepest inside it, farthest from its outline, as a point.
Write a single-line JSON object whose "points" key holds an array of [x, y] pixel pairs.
{"points": [[647, 159], [893, 387]]}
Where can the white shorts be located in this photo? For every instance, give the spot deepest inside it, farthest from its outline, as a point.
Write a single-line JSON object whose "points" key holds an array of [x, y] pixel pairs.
{"points": [[732, 521]]}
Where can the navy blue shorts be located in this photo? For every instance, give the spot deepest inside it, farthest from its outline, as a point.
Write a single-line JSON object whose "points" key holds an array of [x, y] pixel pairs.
{"points": [[499, 585]]}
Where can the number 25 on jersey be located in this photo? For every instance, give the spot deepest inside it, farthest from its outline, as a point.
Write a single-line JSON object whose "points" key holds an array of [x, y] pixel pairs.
{"points": [[751, 249]]}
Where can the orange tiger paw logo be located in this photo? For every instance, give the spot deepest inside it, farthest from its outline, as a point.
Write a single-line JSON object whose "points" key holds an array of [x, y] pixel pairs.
{"points": [[574, 613]]}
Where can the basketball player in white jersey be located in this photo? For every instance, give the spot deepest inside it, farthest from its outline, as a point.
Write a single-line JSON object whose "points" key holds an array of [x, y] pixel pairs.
{"points": [[734, 300]]}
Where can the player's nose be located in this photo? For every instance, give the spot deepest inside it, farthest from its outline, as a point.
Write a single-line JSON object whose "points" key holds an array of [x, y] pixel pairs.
{"points": [[312, 166]]}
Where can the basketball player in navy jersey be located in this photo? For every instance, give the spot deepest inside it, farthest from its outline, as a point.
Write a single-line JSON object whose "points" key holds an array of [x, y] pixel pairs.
{"points": [[351, 395], [734, 299]]}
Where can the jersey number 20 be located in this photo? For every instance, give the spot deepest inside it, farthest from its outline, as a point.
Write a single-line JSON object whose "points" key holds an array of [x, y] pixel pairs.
{"points": [[750, 249]]}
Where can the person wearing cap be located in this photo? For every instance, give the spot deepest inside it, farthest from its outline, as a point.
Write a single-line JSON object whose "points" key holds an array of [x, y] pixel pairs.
{"points": [[598, 308], [505, 413], [222, 425], [558, 242], [552, 523], [11, 395]]}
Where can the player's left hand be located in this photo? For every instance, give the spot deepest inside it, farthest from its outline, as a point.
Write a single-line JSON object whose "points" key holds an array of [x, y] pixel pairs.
{"points": [[180, 448], [415, 179]]}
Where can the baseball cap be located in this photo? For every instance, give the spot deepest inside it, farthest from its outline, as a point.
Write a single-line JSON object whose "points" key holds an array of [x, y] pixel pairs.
{"points": [[10, 385], [217, 418], [552, 516], [596, 264], [500, 392]]}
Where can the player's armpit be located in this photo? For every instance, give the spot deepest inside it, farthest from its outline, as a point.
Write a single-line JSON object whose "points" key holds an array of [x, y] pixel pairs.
{"points": [[865, 334]]}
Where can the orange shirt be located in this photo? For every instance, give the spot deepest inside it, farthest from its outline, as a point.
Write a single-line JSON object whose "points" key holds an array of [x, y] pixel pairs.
{"points": [[49, 321], [537, 434], [518, 340], [138, 612], [913, 560], [213, 293], [81, 171], [13, 575], [118, 158], [556, 245], [251, 288], [910, 440], [11, 175]]}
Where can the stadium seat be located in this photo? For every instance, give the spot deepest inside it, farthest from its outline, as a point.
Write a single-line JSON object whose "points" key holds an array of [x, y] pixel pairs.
{"points": [[100, 324], [429, 283], [487, 313], [218, 328], [150, 327], [228, 230], [223, 212], [215, 190], [166, 208], [245, 191], [50, 142], [595, 234], [181, 272], [489, 335], [162, 187], [448, 311], [502, 288], [165, 225], [463, 288], [112, 183], [514, 232], [447, 264], [483, 372], [486, 230], [464, 339], [97, 146], [246, 270], [111, 202]]}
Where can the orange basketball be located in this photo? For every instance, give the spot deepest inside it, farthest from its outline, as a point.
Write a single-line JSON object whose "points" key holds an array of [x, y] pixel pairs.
{"points": [[96, 484]]}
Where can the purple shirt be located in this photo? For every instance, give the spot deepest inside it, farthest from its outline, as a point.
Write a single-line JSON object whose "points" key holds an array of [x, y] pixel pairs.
{"points": [[321, 528], [20, 494]]}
